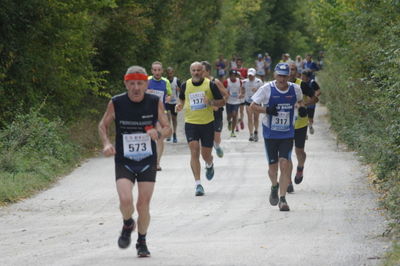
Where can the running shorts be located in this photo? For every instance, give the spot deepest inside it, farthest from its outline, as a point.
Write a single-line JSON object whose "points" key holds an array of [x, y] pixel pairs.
{"points": [[278, 148], [300, 135], [310, 112], [171, 107], [140, 173], [230, 108], [218, 124], [203, 133]]}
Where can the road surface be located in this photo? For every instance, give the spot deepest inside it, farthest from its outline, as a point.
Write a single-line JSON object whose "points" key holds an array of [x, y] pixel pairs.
{"points": [[333, 219]]}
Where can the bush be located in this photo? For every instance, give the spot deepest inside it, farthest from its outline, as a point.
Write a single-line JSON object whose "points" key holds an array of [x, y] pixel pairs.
{"points": [[35, 152]]}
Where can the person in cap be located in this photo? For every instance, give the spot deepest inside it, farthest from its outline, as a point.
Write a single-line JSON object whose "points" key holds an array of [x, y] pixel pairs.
{"points": [[249, 86], [233, 85], [277, 99], [136, 114]]}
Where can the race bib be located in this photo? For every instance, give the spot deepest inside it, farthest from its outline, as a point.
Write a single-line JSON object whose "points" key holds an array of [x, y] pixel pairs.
{"points": [[158, 93], [197, 100], [234, 94], [281, 122], [137, 146], [221, 72]]}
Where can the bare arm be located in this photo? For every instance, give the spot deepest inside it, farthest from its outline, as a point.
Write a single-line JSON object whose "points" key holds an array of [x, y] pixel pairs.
{"points": [[257, 108], [108, 117]]}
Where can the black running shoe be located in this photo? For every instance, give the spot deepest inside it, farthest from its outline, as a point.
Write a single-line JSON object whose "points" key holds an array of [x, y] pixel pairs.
{"points": [[290, 188], [299, 177], [273, 197], [124, 239], [283, 206], [142, 250]]}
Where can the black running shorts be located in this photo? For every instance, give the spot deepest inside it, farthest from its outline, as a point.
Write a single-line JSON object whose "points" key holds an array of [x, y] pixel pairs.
{"points": [[171, 107], [218, 124], [140, 173], [278, 148], [203, 133], [300, 135], [310, 112]]}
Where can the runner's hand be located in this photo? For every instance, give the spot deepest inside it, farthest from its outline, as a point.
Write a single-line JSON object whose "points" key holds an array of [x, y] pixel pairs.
{"points": [[109, 150], [178, 107], [154, 134], [271, 110]]}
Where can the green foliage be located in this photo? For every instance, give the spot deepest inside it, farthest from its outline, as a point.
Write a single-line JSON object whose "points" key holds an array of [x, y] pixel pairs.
{"points": [[34, 152], [361, 84]]}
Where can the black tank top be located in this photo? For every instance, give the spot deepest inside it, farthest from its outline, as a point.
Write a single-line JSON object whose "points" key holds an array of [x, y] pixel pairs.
{"points": [[132, 117]]}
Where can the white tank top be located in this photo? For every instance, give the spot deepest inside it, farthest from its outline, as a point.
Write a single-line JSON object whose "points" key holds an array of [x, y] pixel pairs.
{"points": [[174, 95], [234, 91]]}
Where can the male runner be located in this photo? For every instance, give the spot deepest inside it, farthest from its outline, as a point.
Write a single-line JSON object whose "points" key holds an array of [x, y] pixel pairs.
{"points": [[198, 96], [170, 106], [135, 114], [279, 96], [233, 85]]}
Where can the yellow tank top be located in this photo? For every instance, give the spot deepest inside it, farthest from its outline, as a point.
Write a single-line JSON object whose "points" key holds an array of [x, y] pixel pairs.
{"points": [[300, 122], [196, 111]]}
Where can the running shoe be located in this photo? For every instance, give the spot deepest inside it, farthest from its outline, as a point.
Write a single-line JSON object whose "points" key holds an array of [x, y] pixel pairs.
{"points": [[124, 239], [233, 135], [299, 177], [311, 130], [220, 152], [237, 128], [199, 190], [283, 206], [251, 137], [241, 125], [273, 197], [142, 250], [168, 139], [210, 172], [255, 137], [290, 188], [229, 125], [174, 140]]}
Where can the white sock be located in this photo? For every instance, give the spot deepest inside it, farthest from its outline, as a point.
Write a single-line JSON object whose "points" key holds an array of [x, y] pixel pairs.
{"points": [[198, 182], [216, 145], [209, 165]]}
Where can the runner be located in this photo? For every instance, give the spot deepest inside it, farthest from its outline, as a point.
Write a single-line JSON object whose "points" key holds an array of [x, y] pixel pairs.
{"points": [[198, 96], [280, 97], [260, 67], [161, 87], [300, 125], [249, 87], [306, 77], [218, 112], [170, 106], [242, 71], [135, 114], [233, 85], [221, 66]]}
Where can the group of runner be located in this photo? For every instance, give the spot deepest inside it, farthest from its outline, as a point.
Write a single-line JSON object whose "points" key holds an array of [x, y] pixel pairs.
{"points": [[143, 115]]}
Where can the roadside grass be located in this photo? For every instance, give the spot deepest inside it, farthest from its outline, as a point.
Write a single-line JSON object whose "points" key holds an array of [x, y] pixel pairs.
{"points": [[36, 152]]}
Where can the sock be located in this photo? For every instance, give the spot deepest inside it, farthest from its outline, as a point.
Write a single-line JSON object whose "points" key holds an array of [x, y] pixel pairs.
{"points": [[255, 132], [216, 145], [141, 238], [198, 182], [128, 222], [209, 165], [174, 135], [282, 197], [300, 168]]}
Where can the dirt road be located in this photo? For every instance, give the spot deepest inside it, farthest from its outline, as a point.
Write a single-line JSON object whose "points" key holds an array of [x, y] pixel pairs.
{"points": [[333, 218]]}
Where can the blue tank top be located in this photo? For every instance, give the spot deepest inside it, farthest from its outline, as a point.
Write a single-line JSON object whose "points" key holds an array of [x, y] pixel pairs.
{"points": [[282, 125], [158, 87]]}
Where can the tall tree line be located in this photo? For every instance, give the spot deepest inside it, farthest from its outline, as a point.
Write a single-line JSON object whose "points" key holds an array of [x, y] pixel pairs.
{"points": [[60, 54]]}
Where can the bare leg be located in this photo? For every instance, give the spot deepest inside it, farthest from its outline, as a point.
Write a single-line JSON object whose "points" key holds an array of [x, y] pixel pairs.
{"points": [[250, 119], [143, 205], [273, 173], [285, 168], [195, 158], [124, 189]]}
